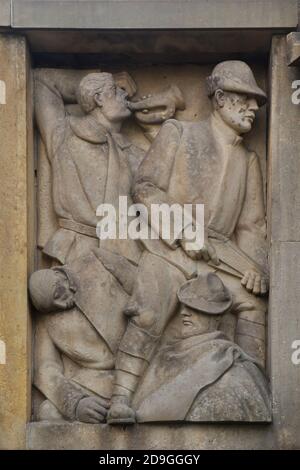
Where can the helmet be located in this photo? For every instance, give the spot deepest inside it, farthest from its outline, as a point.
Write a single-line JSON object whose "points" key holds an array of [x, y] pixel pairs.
{"points": [[237, 77]]}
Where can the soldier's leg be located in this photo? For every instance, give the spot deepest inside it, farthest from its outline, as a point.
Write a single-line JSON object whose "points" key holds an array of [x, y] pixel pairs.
{"points": [[48, 412], [250, 312], [151, 306], [251, 331]]}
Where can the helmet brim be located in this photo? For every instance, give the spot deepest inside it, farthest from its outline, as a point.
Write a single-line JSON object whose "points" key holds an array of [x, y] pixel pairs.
{"points": [[244, 88]]}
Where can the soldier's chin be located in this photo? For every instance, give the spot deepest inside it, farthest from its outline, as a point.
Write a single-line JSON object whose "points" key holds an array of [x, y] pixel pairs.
{"points": [[189, 330], [246, 125], [121, 115], [127, 111]]}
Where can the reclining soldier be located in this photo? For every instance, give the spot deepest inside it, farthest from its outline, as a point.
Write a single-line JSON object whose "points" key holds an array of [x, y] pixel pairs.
{"points": [[79, 325]]}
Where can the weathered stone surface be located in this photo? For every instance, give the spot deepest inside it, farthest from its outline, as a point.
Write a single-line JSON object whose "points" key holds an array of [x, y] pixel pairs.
{"points": [[143, 14], [142, 436], [191, 80], [284, 432], [283, 216], [293, 48], [16, 240], [283, 331], [87, 150], [284, 141], [56, 48], [5, 9]]}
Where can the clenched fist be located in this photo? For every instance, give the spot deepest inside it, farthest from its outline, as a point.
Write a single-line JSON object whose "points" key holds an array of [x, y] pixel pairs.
{"points": [[125, 81], [92, 410]]}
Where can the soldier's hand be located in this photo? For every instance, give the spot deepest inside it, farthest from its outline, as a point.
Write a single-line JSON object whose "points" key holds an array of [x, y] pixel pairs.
{"points": [[125, 81], [255, 282], [92, 410], [206, 252]]}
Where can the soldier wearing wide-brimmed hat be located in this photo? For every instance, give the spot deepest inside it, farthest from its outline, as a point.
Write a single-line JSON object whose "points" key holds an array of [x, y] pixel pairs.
{"points": [[203, 302], [207, 294], [199, 374]]}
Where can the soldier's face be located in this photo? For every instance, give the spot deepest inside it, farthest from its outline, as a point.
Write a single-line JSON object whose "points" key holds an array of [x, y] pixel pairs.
{"points": [[238, 111], [196, 323], [63, 296], [114, 103]]}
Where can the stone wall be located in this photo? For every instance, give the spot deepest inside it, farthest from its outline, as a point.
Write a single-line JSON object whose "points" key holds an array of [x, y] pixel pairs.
{"points": [[275, 138]]}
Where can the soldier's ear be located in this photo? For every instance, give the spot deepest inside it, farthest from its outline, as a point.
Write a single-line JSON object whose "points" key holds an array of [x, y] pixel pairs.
{"points": [[220, 97], [98, 100]]}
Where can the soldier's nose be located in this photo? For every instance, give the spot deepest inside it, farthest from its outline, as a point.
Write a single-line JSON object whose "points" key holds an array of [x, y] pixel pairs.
{"points": [[185, 313], [252, 105]]}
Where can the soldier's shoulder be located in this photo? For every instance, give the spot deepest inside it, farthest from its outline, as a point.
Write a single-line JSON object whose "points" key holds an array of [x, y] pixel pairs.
{"points": [[199, 131], [186, 125], [173, 123]]}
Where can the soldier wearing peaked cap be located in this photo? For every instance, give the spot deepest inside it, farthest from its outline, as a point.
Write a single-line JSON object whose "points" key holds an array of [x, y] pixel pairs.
{"points": [[236, 77], [201, 162]]}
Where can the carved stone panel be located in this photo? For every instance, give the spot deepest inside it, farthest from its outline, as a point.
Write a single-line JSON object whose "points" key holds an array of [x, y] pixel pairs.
{"points": [[147, 329]]}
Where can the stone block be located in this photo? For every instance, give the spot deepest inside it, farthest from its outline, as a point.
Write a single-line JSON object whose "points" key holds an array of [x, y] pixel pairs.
{"points": [[284, 141], [284, 329], [16, 239], [154, 437], [5, 8], [107, 14], [293, 48]]}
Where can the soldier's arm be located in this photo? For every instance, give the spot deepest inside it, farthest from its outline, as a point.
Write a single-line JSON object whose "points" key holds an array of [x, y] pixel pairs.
{"points": [[49, 374], [54, 88], [153, 176], [251, 226]]}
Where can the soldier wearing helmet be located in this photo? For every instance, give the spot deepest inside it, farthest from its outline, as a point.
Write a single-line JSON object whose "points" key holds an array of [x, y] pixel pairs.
{"points": [[201, 162]]}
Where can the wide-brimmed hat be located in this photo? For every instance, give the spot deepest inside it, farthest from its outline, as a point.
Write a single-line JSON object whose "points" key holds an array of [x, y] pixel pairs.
{"points": [[235, 76], [206, 293]]}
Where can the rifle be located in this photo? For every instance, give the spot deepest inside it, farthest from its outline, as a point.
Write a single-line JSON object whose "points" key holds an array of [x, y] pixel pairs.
{"points": [[233, 259]]}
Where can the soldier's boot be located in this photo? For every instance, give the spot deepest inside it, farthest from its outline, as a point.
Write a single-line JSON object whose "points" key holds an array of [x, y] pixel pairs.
{"points": [[251, 334], [134, 354]]}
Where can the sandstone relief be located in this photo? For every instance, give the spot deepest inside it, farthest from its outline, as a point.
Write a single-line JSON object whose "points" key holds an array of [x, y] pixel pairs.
{"points": [[148, 330]]}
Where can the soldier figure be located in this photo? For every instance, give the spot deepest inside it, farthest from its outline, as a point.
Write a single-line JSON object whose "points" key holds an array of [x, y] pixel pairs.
{"points": [[92, 162], [200, 375], [79, 325], [200, 162]]}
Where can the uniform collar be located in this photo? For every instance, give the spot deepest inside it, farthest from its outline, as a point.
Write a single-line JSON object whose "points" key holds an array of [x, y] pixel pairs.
{"points": [[230, 136], [88, 129]]}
